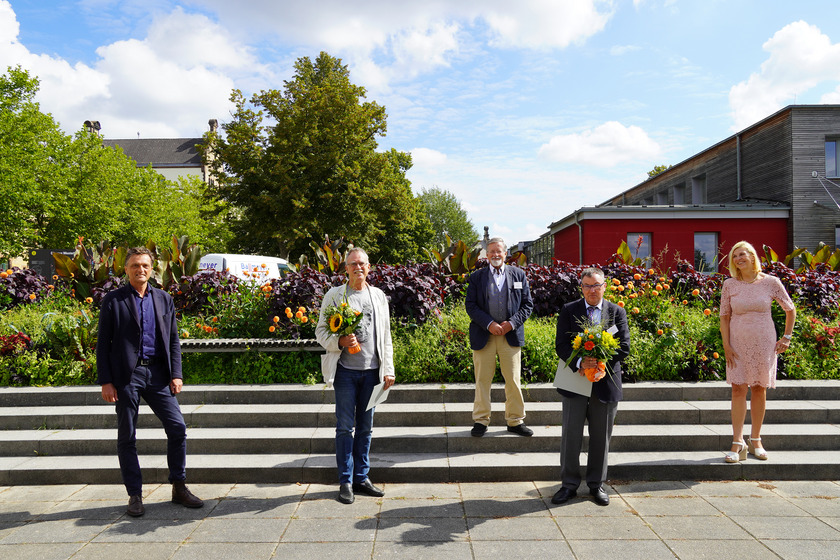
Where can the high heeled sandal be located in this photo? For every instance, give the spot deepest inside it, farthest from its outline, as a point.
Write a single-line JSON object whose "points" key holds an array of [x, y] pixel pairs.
{"points": [[757, 451], [735, 456]]}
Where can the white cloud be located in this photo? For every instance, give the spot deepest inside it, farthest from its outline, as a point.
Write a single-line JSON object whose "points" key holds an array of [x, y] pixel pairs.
{"points": [[427, 159], [606, 145], [620, 50], [168, 84], [801, 57]]}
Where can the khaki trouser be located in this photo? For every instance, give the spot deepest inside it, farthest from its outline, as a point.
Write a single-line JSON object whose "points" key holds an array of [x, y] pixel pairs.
{"points": [[484, 361]]}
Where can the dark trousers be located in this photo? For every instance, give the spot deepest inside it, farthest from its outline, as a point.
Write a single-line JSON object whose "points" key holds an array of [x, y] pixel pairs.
{"points": [[153, 386], [352, 449], [601, 416]]}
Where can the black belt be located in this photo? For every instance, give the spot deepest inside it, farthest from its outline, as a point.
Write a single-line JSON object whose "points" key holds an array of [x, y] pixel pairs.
{"points": [[146, 361]]}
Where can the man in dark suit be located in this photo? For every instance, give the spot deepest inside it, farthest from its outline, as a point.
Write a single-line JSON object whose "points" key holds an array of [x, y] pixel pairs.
{"points": [[498, 302], [138, 354], [599, 408]]}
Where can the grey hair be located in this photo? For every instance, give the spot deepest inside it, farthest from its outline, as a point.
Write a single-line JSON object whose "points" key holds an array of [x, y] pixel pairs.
{"points": [[356, 250], [591, 271], [497, 240]]}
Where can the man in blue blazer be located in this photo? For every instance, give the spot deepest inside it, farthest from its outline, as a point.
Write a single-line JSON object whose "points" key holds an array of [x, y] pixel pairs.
{"points": [[599, 408], [138, 354], [498, 303]]}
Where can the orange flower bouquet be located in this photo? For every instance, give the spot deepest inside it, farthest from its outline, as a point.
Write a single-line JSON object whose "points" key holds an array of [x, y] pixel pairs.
{"points": [[597, 343], [343, 320]]}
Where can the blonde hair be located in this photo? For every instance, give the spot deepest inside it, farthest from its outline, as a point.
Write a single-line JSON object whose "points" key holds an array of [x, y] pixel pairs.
{"points": [[733, 270]]}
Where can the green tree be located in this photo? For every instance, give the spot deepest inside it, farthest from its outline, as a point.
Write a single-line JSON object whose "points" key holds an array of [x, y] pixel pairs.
{"points": [[29, 143], [448, 217], [657, 170], [55, 188], [298, 164]]}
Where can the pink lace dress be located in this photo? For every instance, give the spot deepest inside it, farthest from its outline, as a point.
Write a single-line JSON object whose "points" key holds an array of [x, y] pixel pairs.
{"points": [[751, 331]]}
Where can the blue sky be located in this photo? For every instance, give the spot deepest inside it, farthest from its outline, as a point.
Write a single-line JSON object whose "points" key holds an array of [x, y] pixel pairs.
{"points": [[524, 110]]}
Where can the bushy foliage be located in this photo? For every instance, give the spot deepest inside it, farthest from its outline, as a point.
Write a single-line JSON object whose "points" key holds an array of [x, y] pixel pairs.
{"points": [[193, 294], [21, 286], [414, 291], [817, 289], [553, 287]]}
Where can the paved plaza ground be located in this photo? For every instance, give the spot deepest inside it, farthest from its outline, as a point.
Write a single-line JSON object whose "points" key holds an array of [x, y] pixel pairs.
{"points": [[650, 520]]}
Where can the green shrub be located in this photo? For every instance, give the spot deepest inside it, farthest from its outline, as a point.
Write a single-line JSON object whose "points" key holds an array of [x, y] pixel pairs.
{"points": [[251, 367]]}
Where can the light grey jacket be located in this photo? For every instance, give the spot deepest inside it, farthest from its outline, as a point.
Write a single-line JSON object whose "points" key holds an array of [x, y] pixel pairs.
{"points": [[329, 340]]}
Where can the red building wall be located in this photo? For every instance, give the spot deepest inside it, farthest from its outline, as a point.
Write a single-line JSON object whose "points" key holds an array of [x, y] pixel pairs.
{"points": [[601, 238]]}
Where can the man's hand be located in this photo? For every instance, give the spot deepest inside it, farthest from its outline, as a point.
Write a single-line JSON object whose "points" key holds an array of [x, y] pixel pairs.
{"points": [[109, 393], [389, 381], [176, 385], [506, 327], [496, 329]]}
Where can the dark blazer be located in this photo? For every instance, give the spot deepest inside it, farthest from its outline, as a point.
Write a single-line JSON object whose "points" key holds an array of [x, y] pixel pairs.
{"points": [[519, 306], [118, 345], [609, 388]]}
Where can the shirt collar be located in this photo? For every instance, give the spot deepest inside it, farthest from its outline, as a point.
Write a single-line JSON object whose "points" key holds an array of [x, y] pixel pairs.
{"points": [[501, 269]]}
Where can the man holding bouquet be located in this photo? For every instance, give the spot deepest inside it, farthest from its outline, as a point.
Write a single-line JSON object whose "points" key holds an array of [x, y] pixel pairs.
{"points": [[580, 318], [355, 329]]}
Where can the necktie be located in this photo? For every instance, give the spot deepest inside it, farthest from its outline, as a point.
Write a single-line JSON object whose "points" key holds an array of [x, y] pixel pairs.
{"points": [[591, 310]]}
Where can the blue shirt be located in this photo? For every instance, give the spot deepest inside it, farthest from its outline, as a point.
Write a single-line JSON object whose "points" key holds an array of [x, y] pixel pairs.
{"points": [[146, 311]]}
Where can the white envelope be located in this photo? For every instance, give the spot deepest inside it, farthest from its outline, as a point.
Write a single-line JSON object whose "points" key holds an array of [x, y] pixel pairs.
{"points": [[378, 396], [572, 381]]}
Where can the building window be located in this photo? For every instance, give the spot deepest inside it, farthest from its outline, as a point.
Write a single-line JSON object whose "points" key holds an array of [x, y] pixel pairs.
{"points": [[698, 190], [705, 252], [640, 246], [831, 159], [837, 237], [679, 194], [662, 197]]}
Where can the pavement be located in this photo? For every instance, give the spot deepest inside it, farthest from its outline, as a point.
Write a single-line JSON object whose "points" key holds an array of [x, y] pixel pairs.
{"points": [[499, 520]]}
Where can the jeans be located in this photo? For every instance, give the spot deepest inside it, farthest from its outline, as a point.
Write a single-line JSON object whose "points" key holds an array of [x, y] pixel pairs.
{"points": [[352, 393], [153, 387]]}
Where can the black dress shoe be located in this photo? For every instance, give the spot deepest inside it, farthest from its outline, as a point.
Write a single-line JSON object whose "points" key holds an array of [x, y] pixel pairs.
{"points": [[563, 495], [599, 496], [478, 430], [135, 506], [521, 430], [368, 488], [182, 495], [345, 494]]}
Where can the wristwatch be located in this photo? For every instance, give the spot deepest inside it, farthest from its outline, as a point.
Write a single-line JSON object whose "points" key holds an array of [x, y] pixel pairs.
{"points": [[787, 336]]}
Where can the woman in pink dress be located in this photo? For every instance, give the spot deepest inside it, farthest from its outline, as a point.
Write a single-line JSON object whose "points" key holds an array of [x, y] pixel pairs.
{"points": [[749, 341]]}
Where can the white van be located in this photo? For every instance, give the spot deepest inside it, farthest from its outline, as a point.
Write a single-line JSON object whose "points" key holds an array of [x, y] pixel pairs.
{"points": [[251, 268]]}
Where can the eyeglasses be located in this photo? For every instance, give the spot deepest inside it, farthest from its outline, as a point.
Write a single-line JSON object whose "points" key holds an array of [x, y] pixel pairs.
{"points": [[359, 264], [591, 286]]}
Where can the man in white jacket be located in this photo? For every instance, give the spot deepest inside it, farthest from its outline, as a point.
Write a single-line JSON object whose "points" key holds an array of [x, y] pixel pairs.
{"points": [[355, 374]]}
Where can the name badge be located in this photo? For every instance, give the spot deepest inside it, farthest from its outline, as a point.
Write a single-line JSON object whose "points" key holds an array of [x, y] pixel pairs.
{"points": [[612, 330], [517, 285]]}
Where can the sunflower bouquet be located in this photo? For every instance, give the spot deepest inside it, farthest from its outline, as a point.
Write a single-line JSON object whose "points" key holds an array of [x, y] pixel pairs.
{"points": [[596, 342], [342, 320]]}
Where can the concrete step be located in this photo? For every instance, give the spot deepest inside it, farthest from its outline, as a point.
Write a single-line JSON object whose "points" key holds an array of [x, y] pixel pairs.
{"points": [[414, 393], [390, 414], [423, 467], [439, 439], [286, 433]]}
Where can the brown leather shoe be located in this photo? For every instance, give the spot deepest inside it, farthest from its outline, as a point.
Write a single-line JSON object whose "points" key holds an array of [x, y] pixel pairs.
{"points": [[182, 495], [135, 506]]}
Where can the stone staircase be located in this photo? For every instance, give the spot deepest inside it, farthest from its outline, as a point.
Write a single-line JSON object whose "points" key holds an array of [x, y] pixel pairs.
{"points": [[285, 433]]}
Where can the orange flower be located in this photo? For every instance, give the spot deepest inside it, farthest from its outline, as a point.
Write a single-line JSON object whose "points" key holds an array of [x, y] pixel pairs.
{"points": [[55, 276], [32, 297], [685, 302], [620, 303], [659, 332], [298, 314], [616, 281], [667, 286], [302, 309], [276, 319], [637, 276], [704, 358], [635, 311], [715, 355], [654, 292], [89, 300], [4, 275], [633, 296], [262, 266], [272, 328], [662, 279], [659, 287], [695, 292], [707, 312], [621, 288], [50, 286], [304, 319], [589, 345], [651, 271], [215, 319]]}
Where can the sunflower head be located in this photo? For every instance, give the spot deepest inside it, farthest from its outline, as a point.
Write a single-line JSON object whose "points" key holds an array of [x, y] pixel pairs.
{"points": [[335, 322]]}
